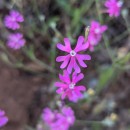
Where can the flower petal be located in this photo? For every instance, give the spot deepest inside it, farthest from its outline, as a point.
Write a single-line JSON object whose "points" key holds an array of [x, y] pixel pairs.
{"points": [[63, 96], [76, 67], [81, 57], [3, 121], [61, 58], [67, 47], [79, 43], [67, 44], [81, 62], [69, 94], [60, 84], [78, 93], [71, 65], [80, 88], [77, 78], [61, 47], [83, 47], [65, 62], [65, 77], [74, 97]]}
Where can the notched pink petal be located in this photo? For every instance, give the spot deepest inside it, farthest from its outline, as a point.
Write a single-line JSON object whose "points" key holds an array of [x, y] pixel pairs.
{"points": [[81, 88], [76, 67], [65, 62], [59, 84], [79, 43], [81, 57], [78, 78], [65, 77], [67, 44], [81, 62], [61, 47], [60, 58], [70, 65], [83, 47]]}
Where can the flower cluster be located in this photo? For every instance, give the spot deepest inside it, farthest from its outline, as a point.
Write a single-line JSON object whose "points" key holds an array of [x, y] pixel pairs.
{"points": [[11, 21], [59, 120], [113, 7], [74, 59], [95, 34], [3, 118], [68, 88]]}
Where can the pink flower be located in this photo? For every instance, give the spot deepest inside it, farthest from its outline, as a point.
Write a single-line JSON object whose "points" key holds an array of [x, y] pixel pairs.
{"points": [[3, 118], [113, 7], [68, 88], [64, 119], [61, 120], [13, 19], [95, 34], [73, 57], [16, 41], [69, 115], [48, 116]]}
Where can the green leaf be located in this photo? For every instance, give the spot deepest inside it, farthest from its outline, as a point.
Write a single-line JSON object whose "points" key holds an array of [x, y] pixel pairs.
{"points": [[105, 76]]}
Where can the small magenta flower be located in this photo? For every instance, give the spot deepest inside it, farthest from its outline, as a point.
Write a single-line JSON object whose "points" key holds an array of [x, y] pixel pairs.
{"points": [[73, 55], [113, 7], [16, 41], [69, 115], [12, 20], [68, 88], [3, 118], [48, 115], [95, 34], [60, 120], [65, 119]]}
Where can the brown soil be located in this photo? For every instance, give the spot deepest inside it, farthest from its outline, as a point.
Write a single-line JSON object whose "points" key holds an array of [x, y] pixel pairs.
{"points": [[17, 97]]}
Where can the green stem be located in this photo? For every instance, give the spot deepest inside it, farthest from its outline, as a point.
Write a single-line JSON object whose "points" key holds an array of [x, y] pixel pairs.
{"points": [[35, 7], [12, 58], [104, 37], [127, 24]]}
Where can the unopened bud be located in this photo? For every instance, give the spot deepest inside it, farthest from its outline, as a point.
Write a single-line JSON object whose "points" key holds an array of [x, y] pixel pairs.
{"points": [[87, 29]]}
